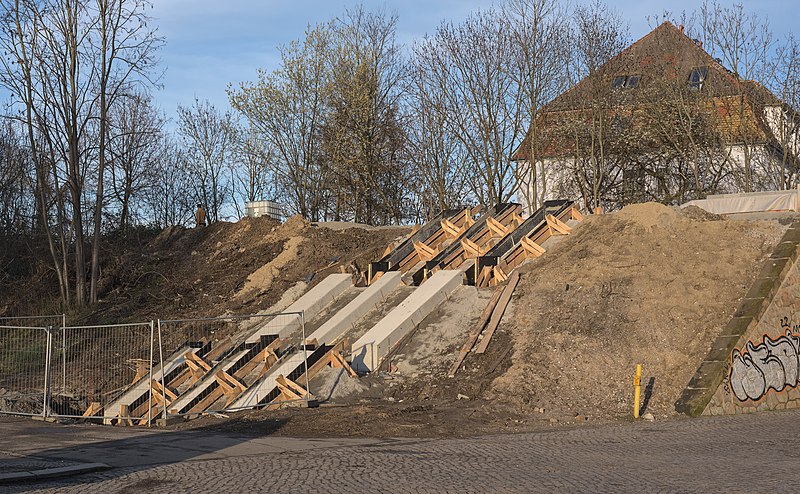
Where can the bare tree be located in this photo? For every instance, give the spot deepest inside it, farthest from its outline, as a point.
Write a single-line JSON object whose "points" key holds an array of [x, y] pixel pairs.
{"points": [[287, 108], [540, 29], [467, 65], [207, 138], [125, 48], [136, 148], [362, 135], [599, 35]]}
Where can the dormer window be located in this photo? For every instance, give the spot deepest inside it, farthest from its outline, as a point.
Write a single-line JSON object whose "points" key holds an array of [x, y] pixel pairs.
{"points": [[697, 77], [625, 82]]}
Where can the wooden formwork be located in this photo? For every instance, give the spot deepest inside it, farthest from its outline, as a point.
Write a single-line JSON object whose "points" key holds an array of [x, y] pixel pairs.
{"points": [[497, 224], [424, 244], [497, 265]]}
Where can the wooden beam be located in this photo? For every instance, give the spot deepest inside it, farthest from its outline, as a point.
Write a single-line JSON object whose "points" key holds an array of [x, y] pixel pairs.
{"points": [[476, 331], [291, 388], [338, 361], [124, 416], [576, 214], [498, 312], [499, 274], [450, 229], [483, 277], [471, 249]]}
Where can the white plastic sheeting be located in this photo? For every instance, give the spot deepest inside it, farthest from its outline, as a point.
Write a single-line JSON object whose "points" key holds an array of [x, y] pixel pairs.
{"points": [[781, 200]]}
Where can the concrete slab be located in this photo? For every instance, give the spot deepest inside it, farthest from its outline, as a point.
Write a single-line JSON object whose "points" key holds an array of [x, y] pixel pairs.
{"points": [[264, 386], [311, 304], [343, 320], [370, 349]]}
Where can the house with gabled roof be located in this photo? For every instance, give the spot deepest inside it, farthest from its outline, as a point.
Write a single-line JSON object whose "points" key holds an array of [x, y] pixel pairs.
{"points": [[662, 120]]}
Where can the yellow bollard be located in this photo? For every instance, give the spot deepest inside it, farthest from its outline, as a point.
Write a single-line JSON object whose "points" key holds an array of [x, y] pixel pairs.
{"points": [[637, 387]]}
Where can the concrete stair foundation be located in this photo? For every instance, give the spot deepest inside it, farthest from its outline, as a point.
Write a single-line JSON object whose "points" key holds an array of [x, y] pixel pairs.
{"points": [[311, 304], [346, 318], [370, 349]]}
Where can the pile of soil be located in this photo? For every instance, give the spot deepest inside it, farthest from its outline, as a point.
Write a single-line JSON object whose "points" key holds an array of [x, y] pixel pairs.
{"points": [[650, 285], [242, 267]]}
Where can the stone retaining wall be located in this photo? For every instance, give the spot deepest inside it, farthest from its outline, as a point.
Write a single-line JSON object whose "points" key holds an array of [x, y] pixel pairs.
{"points": [[754, 364]]}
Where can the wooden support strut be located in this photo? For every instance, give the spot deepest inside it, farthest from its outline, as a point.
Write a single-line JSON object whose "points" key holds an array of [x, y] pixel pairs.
{"points": [[532, 249], [425, 252], [450, 229], [471, 249], [94, 409], [496, 228], [556, 226]]}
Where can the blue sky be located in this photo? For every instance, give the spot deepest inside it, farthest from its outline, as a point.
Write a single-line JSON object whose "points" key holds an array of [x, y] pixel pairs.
{"points": [[211, 43]]}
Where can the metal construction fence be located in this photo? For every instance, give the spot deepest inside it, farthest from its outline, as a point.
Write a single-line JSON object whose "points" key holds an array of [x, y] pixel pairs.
{"points": [[135, 373]]}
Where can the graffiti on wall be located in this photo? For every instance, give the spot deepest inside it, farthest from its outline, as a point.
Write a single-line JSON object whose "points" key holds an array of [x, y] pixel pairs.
{"points": [[772, 364]]}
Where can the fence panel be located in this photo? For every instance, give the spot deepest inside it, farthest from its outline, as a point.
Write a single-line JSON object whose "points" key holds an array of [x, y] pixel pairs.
{"points": [[93, 366], [23, 369], [230, 363]]}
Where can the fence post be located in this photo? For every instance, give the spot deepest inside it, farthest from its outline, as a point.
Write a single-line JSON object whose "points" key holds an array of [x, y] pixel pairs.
{"points": [[305, 354], [47, 353], [63, 353], [150, 378], [161, 361]]}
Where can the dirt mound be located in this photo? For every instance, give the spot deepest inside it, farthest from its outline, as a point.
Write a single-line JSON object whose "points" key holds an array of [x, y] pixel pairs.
{"points": [[241, 267], [645, 285]]}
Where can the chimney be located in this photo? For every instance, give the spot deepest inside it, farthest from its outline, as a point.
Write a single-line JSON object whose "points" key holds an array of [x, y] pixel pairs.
{"points": [[681, 28]]}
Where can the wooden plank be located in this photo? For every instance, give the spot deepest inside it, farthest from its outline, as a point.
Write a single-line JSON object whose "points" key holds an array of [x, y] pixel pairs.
{"points": [[497, 314], [124, 416], [476, 331], [576, 214], [338, 361], [500, 274], [496, 227], [471, 249], [483, 277], [450, 229]]}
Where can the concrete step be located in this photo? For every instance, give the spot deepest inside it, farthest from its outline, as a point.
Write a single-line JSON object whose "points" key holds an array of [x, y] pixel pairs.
{"points": [[372, 347]]}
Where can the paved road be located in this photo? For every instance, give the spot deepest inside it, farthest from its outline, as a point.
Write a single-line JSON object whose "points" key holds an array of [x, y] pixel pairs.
{"points": [[754, 453]]}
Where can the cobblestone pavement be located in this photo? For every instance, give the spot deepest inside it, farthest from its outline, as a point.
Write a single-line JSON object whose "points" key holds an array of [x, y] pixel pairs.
{"points": [[752, 453]]}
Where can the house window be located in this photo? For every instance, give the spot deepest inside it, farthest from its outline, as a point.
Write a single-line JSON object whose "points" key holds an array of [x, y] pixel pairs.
{"points": [[625, 82], [697, 77]]}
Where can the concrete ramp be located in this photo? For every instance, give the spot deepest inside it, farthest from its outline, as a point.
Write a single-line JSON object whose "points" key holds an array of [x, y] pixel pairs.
{"points": [[355, 310], [311, 304], [370, 349]]}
